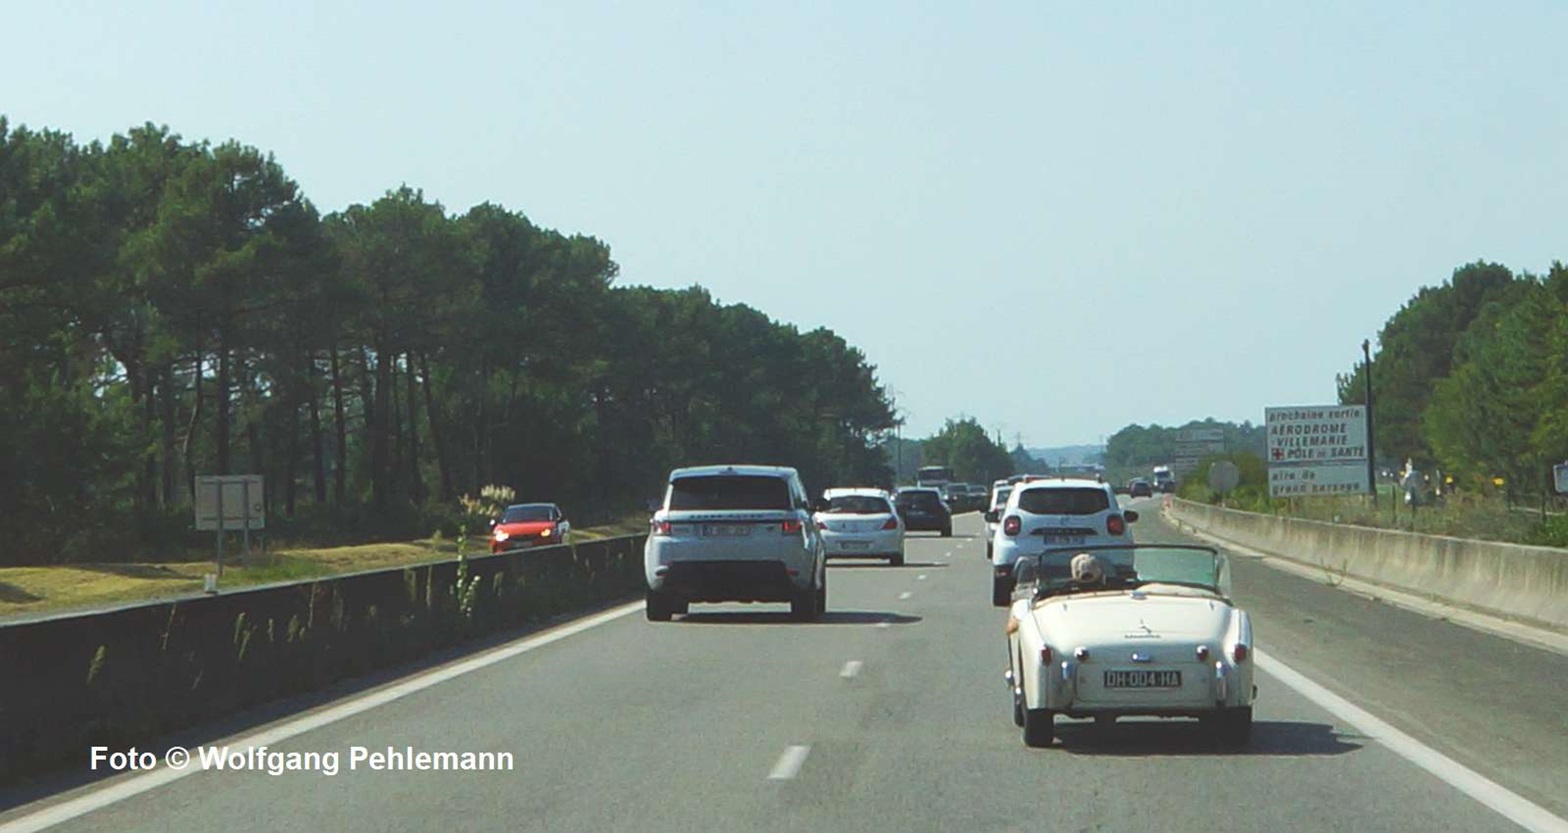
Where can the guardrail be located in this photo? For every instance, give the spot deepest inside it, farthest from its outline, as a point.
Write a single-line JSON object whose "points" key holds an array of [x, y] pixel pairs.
{"points": [[1529, 584], [133, 674]]}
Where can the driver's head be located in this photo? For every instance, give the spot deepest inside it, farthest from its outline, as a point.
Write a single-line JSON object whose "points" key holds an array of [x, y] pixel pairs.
{"points": [[1087, 569]]}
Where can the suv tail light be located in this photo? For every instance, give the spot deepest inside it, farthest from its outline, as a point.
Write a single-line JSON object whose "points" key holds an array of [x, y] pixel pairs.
{"points": [[1012, 524], [660, 527], [892, 523], [1115, 525], [1045, 655], [790, 527], [1239, 652]]}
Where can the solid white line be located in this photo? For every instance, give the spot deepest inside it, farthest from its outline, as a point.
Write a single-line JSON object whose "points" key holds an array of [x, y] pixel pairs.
{"points": [[905, 595], [789, 763], [121, 790], [1514, 807], [851, 669]]}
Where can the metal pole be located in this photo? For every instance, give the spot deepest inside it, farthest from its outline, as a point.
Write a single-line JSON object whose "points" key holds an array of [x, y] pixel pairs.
{"points": [[220, 529], [1366, 352], [245, 495]]}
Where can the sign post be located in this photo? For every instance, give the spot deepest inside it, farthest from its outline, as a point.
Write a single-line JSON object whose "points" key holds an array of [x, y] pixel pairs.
{"points": [[1317, 450], [230, 501]]}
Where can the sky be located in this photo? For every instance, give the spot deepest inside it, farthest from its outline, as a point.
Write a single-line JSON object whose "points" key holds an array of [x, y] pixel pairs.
{"points": [[1058, 218]]}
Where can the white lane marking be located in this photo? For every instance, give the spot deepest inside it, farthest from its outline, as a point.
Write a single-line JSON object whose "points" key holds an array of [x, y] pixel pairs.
{"points": [[948, 554], [921, 577], [851, 669], [789, 763], [884, 625], [905, 596], [1514, 807], [121, 790]]}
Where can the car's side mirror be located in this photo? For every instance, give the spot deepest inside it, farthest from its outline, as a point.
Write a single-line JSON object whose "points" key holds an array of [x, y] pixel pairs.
{"points": [[1131, 515], [993, 516]]}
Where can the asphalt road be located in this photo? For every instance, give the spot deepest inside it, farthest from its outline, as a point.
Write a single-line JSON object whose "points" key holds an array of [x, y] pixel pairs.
{"points": [[891, 715]]}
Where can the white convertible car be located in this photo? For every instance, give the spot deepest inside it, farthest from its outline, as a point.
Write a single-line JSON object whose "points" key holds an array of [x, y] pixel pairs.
{"points": [[1162, 640]]}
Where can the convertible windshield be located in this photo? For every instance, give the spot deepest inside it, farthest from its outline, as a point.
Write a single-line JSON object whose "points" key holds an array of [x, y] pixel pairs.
{"points": [[1151, 568]]}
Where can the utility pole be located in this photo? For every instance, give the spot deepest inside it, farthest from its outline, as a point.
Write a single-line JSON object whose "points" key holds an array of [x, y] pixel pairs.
{"points": [[1366, 354]]}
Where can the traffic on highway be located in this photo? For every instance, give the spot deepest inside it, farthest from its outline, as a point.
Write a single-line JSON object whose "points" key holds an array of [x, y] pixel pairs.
{"points": [[878, 696]]}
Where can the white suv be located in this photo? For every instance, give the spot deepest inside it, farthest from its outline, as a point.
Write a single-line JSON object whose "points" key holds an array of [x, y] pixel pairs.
{"points": [[734, 533], [1053, 513]]}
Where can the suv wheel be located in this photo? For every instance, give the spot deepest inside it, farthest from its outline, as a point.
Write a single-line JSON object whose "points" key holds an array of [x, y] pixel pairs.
{"points": [[1002, 591], [947, 531], [804, 607], [660, 607], [896, 560]]}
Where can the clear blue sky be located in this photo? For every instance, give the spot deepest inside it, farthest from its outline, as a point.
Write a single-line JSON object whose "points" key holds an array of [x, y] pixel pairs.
{"points": [[1059, 218]]}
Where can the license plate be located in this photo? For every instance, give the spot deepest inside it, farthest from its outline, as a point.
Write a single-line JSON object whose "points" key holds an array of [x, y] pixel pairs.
{"points": [[1143, 679], [1064, 539], [726, 530], [854, 545]]}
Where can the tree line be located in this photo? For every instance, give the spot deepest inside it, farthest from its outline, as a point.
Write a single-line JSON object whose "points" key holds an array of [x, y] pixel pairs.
{"points": [[1472, 377], [171, 308]]}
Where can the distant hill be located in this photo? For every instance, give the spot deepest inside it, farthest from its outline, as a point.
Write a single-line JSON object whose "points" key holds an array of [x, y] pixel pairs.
{"points": [[1073, 455]]}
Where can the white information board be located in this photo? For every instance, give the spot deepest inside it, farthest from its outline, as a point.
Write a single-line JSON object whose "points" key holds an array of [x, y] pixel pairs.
{"points": [[1317, 450], [244, 503]]}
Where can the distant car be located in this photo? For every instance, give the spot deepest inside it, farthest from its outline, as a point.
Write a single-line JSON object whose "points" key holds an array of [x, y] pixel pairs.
{"points": [[1053, 512], [1161, 639], [861, 523], [525, 525], [956, 496], [739, 533], [923, 509], [1140, 488], [999, 492]]}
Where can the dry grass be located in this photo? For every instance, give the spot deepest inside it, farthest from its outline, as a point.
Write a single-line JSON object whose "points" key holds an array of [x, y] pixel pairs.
{"points": [[33, 590]]}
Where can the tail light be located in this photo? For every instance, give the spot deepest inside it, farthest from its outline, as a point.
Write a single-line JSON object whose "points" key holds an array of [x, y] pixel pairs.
{"points": [[892, 523], [1082, 654], [1203, 653], [1115, 525], [1239, 652], [1012, 524], [1045, 655], [790, 527], [660, 527], [822, 525]]}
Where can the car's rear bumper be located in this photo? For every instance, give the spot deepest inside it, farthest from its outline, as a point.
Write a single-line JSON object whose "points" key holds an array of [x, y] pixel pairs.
{"points": [[929, 523], [862, 545], [728, 581]]}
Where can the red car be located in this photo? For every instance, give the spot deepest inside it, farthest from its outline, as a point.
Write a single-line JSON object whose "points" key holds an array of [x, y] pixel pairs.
{"points": [[529, 525]]}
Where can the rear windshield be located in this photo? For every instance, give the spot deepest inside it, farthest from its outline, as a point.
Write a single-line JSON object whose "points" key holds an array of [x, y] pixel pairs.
{"points": [[918, 499], [1001, 497], [729, 492], [1063, 501], [859, 505]]}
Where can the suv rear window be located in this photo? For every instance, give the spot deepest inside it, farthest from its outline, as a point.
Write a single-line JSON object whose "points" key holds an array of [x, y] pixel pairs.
{"points": [[858, 505], [1063, 501], [729, 492]]}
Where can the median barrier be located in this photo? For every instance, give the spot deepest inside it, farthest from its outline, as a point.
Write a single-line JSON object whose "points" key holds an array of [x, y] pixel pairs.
{"points": [[1519, 582], [130, 675]]}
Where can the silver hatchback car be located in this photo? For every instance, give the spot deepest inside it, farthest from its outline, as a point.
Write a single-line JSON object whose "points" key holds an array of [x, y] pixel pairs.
{"points": [[735, 533]]}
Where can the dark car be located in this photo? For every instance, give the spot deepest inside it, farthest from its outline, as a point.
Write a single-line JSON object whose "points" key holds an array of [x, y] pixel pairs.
{"points": [[924, 509], [1140, 488]]}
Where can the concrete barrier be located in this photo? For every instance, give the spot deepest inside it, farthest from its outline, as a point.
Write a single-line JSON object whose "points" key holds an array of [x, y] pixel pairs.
{"points": [[133, 674], [1529, 584]]}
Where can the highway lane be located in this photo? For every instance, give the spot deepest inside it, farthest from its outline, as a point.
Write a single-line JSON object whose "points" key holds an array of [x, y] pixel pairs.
{"points": [[890, 714], [1490, 702]]}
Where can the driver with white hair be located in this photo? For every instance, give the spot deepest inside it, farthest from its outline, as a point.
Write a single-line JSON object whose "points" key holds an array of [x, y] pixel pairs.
{"points": [[1087, 570]]}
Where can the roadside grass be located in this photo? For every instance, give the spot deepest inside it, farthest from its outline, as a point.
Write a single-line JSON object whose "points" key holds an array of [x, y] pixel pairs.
{"points": [[1472, 516], [34, 590]]}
